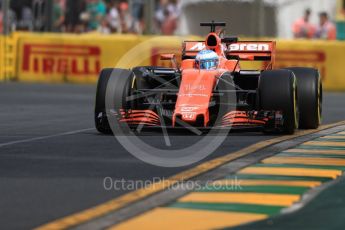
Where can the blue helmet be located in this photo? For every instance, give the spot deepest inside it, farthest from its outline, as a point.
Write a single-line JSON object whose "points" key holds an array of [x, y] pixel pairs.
{"points": [[207, 59]]}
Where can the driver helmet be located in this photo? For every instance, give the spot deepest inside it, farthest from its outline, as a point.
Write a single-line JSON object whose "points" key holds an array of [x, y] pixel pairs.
{"points": [[207, 59]]}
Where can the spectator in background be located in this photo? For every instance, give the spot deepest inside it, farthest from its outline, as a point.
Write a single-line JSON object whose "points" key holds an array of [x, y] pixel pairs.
{"points": [[96, 10], [58, 16], [126, 20], [326, 29], [302, 28], [159, 14], [138, 15], [113, 17], [104, 27], [26, 21], [166, 16], [169, 24], [73, 16], [12, 19]]}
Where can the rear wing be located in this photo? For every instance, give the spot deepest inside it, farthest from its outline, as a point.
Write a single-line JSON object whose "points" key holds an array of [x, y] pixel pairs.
{"points": [[241, 50]]}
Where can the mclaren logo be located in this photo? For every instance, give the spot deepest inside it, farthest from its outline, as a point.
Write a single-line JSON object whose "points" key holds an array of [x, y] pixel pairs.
{"points": [[61, 59], [255, 47]]}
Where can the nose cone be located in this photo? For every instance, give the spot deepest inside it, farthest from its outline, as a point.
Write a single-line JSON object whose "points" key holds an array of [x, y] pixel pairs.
{"points": [[194, 97]]}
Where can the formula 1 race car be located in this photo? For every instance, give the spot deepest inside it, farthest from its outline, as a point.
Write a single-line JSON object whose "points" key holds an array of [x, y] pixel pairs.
{"points": [[210, 90]]}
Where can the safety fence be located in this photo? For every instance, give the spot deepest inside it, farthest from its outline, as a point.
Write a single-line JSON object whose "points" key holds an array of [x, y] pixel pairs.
{"points": [[58, 58]]}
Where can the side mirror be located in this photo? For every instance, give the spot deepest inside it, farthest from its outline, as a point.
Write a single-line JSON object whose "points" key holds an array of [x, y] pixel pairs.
{"points": [[170, 57], [167, 57]]}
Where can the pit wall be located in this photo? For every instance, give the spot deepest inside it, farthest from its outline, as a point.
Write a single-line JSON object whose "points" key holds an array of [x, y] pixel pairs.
{"points": [[56, 58]]}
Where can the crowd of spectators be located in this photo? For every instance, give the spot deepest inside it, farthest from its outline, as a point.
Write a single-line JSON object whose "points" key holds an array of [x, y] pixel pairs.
{"points": [[303, 28], [104, 16]]}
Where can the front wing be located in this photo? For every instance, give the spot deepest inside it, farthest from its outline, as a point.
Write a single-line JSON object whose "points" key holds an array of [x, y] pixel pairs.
{"points": [[233, 119]]}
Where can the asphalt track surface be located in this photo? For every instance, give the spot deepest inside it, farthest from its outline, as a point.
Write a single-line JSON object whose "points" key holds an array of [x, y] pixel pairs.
{"points": [[53, 163]]}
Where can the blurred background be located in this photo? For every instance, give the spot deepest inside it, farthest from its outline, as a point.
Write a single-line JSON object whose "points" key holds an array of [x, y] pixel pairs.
{"points": [[272, 18], [42, 40], [53, 162]]}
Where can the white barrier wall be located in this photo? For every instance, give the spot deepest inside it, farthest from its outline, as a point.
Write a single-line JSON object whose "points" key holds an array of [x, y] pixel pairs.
{"points": [[243, 16]]}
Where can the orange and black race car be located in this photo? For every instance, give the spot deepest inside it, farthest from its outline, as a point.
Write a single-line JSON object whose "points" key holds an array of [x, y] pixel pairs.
{"points": [[210, 90]]}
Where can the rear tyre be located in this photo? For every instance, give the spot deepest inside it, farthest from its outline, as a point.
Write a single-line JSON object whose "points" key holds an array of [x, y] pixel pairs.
{"points": [[278, 92], [100, 116], [309, 93]]}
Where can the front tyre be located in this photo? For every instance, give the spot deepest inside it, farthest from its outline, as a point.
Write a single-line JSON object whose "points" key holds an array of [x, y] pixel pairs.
{"points": [[100, 115], [278, 92], [117, 84]]}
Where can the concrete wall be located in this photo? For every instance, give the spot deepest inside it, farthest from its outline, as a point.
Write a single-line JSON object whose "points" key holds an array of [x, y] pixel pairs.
{"points": [[242, 16]]}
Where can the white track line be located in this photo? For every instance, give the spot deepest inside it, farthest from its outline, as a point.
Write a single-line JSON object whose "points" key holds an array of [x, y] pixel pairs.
{"points": [[44, 137]]}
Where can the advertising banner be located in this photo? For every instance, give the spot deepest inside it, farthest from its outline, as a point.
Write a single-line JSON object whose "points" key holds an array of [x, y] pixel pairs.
{"points": [[79, 58], [71, 58]]}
